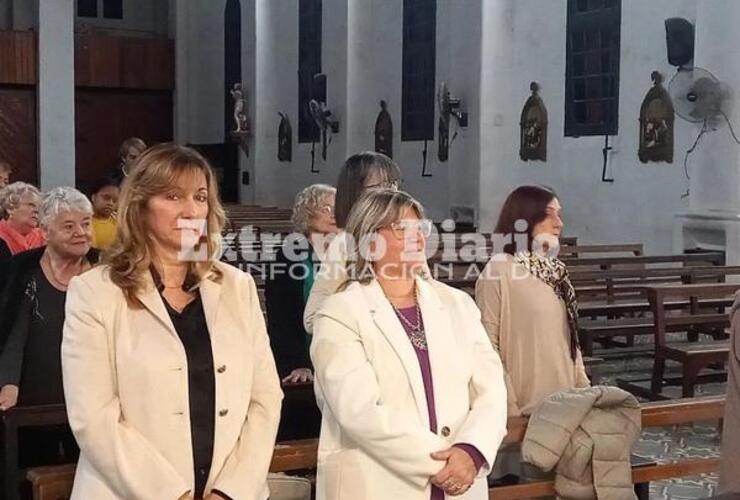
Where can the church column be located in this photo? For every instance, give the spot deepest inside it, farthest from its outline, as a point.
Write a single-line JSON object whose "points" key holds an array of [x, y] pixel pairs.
{"points": [[56, 94]]}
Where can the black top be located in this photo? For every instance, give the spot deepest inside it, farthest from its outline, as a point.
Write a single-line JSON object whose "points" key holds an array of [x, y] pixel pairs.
{"points": [[192, 329], [31, 358], [14, 280], [284, 304]]}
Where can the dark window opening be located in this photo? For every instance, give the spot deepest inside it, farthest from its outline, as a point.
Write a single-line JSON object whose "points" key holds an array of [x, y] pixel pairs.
{"points": [[592, 67], [87, 8], [419, 63], [113, 9], [309, 64]]}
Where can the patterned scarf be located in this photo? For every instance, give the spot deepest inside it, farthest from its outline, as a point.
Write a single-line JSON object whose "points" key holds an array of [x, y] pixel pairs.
{"points": [[553, 272]]}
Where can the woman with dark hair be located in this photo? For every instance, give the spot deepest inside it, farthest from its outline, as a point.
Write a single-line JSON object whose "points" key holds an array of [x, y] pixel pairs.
{"points": [[360, 173], [528, 304]]}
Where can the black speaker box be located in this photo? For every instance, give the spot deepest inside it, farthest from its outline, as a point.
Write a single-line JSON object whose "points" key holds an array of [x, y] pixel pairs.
{"points": [[679, 34]]}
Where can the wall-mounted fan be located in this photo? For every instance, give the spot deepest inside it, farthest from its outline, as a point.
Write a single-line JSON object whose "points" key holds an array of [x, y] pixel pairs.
{"points": [[699, 97]]}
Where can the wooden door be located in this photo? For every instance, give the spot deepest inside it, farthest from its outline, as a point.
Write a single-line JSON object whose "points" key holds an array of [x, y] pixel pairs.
{"points": [[105, 118], [18, 135]]}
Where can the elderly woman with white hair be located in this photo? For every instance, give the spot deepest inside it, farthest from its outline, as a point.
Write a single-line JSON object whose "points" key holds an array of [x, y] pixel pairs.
{"points": [[19, 202], [291, 278], [33, 312]]}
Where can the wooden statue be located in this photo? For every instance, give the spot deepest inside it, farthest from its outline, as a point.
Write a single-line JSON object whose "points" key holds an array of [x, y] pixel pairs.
{"points": [[533, 127], [656, 123], [285, 138], [384, 131]]}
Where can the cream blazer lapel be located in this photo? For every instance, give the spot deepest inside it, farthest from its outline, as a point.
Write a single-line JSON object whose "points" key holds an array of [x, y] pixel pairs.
{"points": [[388, 323], [445, 356], [154, 303]]}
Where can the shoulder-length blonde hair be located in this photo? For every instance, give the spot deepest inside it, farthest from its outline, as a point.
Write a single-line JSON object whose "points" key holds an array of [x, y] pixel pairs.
{"points": [[155, 172], [374, 210]]}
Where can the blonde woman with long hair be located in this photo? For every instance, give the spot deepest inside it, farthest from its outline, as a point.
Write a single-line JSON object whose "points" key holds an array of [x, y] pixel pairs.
{"points": [[412, 393], [170, 385]]}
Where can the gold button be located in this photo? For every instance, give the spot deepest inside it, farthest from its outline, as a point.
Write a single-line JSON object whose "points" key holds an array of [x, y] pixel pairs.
{"points": [[221, 369], [445, 431], [223, 412]]}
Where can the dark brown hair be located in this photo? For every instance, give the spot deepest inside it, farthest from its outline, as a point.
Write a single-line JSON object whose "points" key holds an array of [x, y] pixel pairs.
{"points": [[355, 171], [527, 203]]}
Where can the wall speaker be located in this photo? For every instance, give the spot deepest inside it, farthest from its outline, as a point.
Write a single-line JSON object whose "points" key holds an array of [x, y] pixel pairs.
{"points": [[679, 34]]}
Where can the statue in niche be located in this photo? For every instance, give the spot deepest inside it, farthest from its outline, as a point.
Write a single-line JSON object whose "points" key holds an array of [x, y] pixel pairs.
{"points": [[656, 123], [285, 138], [241, 121], [533, 127], [240, 134], [384, 131]]}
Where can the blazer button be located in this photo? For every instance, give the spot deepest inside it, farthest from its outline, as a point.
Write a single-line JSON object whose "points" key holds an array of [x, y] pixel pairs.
{"points": [[223, 412], [445, 431], [221, 369]]}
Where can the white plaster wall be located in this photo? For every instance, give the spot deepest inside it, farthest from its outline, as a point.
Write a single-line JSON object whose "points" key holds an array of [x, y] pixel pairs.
{"points": [[715, 165], [199, 69], [277, 91], [524, 40], [362, 58]]}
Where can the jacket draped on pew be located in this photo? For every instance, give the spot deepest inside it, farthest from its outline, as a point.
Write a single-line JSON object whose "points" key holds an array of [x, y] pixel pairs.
{"points": [[586, 435]]}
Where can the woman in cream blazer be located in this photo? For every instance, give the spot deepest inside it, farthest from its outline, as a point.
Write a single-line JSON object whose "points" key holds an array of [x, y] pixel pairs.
{"points": [[150, 420], [377, 439]]}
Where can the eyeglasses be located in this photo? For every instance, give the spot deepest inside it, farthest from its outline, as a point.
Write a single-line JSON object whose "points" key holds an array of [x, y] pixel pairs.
{"points": [[326, 209], [382, 185], [408, 227]]}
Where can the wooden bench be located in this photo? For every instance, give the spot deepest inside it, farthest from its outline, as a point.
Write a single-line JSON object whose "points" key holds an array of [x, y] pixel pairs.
{"points": [[693, 357], [10, 422], [301, 455]]}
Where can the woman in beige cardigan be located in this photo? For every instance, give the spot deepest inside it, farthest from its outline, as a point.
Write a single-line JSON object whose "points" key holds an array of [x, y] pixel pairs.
{"points": [[528, 304], [170, 385]]}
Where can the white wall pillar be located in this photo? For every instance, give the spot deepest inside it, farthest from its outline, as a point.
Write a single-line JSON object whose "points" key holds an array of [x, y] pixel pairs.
{"points": [[56, 93]]}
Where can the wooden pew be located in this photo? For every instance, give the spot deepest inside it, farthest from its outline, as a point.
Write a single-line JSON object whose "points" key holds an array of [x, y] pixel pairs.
{"points": [[694, 357], [301, 455], [12, 420]]}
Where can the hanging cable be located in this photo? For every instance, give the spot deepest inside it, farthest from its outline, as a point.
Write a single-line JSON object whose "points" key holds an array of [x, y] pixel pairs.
{"points": [[703, 131], [729, 125]]}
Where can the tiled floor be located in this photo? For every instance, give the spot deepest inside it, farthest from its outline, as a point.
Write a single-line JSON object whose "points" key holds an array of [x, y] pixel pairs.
{"points": [[666, 444]]}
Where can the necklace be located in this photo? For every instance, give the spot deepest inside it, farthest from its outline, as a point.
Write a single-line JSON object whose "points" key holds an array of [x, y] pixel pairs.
{"points": [[55, 276], [415, 331]]}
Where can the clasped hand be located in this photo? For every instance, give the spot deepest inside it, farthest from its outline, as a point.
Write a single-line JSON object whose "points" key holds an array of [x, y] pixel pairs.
{"points": [[458, 474]]}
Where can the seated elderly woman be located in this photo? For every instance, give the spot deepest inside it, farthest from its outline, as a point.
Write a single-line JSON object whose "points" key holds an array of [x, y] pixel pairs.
{"points": [[33, 316], [30, 363], [289, 283], [287, 286], [411, 391], [19, 230]]}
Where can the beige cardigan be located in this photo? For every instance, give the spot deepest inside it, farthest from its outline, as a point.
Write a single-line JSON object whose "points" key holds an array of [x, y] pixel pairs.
{"points": [[527, 325]]}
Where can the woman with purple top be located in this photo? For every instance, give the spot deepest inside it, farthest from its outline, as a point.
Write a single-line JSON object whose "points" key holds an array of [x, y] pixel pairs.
{"points": [[412, 393]]}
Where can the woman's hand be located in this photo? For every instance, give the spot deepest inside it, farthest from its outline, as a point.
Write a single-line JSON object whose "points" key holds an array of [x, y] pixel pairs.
{"points": [[8, 397], [459, 473], [299, 375]]}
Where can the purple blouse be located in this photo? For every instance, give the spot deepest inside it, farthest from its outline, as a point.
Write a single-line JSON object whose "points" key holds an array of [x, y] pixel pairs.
{"points": [[409, 314]]}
